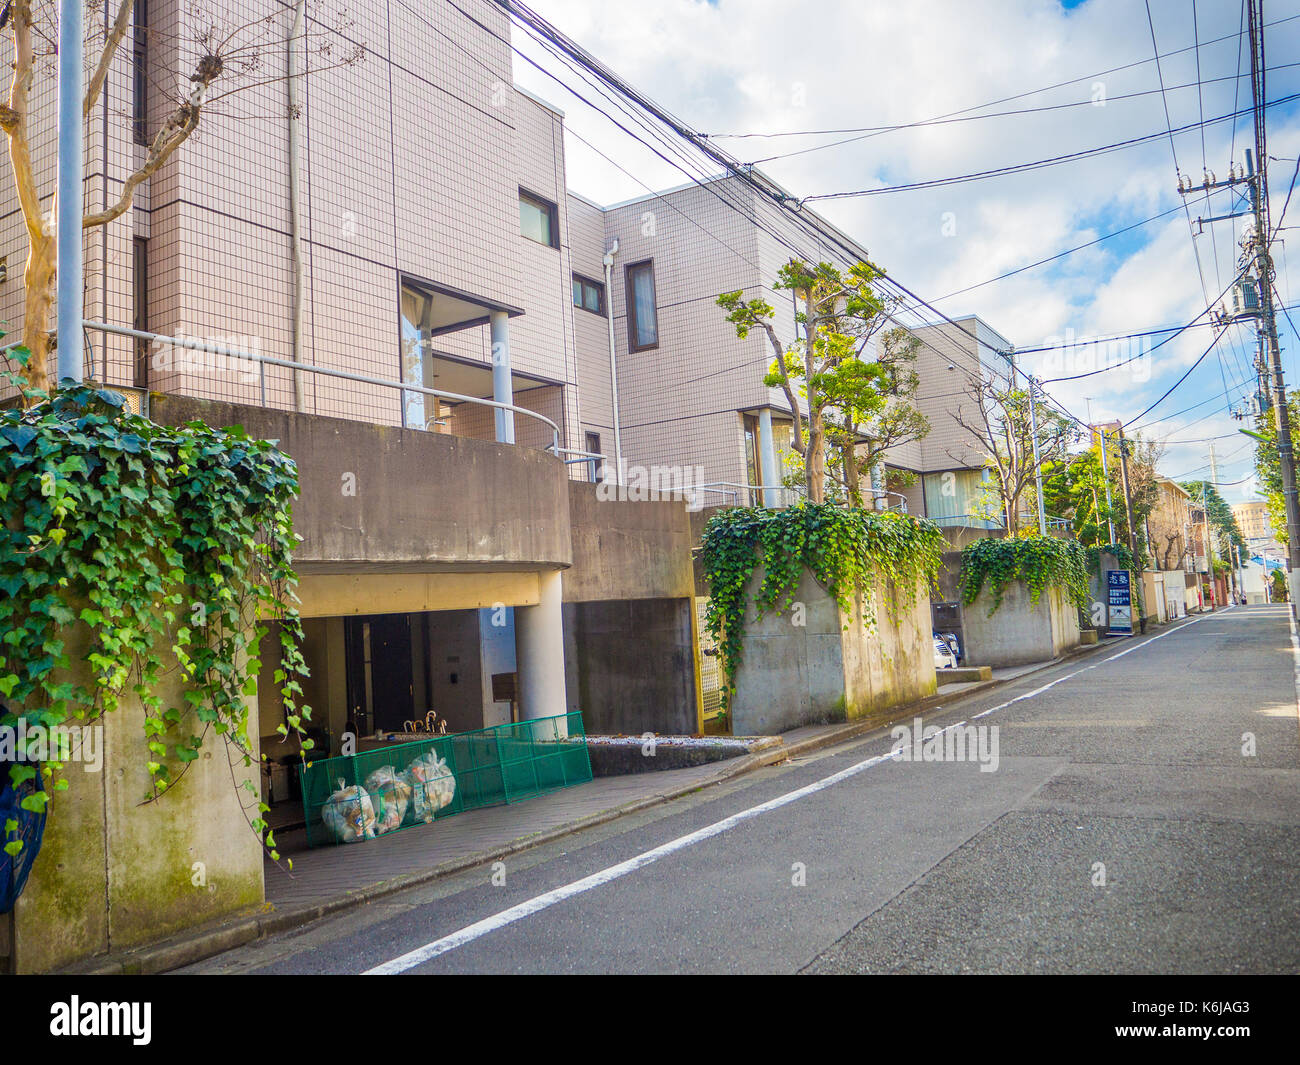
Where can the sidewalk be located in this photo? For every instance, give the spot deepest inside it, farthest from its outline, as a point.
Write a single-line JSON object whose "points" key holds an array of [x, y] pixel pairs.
{"points": [[327, 880]]}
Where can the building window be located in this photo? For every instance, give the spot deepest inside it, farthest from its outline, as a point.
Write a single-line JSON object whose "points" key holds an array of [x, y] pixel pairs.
{"points": [[642, 317], [140, 74], [588, 294], [593, 465], [753, 474], [538, 219], [418, 410]]}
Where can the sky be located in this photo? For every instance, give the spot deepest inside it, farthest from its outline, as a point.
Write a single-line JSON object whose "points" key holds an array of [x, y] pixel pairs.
{"points": [[761, 67]]}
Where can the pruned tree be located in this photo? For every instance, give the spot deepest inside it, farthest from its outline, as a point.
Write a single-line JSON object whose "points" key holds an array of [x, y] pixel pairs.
{"points": [[872, 409], [1002, 427], [839, 311], [219, 51]]}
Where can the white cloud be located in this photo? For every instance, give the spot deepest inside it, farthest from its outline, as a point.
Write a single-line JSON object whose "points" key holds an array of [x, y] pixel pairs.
{"points": [[762, 66]]}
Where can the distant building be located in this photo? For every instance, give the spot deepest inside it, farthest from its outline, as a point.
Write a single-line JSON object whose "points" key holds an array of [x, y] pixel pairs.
{"points": [[1252, 517]]}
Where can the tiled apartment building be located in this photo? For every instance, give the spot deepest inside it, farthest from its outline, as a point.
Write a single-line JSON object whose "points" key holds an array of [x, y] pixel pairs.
{"points": [[409, 222], [1252, 518], [428, 240], [691, 393]]}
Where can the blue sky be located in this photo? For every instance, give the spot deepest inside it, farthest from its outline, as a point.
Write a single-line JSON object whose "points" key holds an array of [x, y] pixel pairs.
{"points": [[759, 66]]}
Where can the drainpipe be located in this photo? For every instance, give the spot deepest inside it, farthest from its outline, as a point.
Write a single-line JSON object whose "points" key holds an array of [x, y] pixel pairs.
{"points": [[295, 219], [613, 363]]}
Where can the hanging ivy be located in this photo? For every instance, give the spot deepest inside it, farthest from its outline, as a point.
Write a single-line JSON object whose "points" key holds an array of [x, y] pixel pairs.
{"points": [[845, 550], [144, 545], [1039, 561]]}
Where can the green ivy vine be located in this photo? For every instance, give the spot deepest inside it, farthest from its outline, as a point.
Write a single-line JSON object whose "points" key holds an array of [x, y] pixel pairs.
{"points": [[1039, 561], [145, 545], [845, 550]]}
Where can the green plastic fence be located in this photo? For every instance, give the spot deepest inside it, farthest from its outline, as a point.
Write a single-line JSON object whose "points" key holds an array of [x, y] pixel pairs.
{"points": [[407, 784]]}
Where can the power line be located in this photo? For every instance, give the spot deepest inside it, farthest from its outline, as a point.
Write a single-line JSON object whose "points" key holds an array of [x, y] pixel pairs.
{"points": [[1037, 164]]}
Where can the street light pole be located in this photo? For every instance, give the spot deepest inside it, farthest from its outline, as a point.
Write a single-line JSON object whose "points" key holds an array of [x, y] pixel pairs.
{"points": [[69, 194]]}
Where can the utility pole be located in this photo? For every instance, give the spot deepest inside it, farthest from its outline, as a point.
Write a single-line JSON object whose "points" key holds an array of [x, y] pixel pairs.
{"points": [[69, 291], [1268, 324], [1038, 466], [1209, 546], [1128, 498]]}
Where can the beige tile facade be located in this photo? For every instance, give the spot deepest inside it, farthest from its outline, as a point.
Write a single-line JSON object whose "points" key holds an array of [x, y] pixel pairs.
{"points": [[412, 163]]}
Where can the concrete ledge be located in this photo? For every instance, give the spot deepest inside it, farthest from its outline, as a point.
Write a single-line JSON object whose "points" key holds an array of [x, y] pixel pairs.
{"points": [[964, 674], [613, 756], [1088, 636]]}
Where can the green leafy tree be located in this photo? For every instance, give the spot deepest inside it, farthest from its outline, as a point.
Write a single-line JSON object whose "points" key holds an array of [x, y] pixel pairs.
{"points": [[839, 311], [872, 409], [1268, 466]]}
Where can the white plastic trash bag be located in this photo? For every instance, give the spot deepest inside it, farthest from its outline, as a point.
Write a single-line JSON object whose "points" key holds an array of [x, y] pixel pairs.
{"points": [[391, 795], [349, 814], [433, 786]]}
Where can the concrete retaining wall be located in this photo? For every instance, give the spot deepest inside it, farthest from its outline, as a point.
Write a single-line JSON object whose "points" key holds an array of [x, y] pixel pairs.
{"points": [[113, 874], [630, 666], [825, 670], [1019, 632]]}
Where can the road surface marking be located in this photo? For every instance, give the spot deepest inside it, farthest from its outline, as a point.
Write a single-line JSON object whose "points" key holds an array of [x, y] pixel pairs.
{"points": [[547, 899]]}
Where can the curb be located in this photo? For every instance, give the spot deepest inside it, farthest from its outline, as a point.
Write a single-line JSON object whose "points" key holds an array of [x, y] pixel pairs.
{"points": [[207, 942]]}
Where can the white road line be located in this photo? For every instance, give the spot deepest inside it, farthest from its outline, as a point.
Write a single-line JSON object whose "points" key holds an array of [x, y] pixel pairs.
{"points": [[537, 903], [1295, 659]]}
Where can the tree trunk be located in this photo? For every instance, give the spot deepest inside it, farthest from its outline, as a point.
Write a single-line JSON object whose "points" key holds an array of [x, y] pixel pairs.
{"points": [[852, 476], [815, 459], [38, 285]]}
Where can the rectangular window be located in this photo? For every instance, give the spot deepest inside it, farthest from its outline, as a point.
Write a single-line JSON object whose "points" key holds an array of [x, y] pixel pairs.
{"points": [[140, 74], [538, 219], [588, 294], [417, 354], [752, 465], [593, 465], [642, 315]]}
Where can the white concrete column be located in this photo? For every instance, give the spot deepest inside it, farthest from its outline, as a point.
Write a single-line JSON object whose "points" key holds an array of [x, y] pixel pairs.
{"points": [[539, 649], [767, 458], [502, 389]]}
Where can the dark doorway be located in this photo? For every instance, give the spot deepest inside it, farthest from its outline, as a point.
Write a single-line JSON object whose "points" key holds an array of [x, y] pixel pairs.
{"points": [[380, 683]]}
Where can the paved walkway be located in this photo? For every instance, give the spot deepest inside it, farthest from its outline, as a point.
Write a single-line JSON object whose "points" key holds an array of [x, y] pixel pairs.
{"points": [[325, 873]]}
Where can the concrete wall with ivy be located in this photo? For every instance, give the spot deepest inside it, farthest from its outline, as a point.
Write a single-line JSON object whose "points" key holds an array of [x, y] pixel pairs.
{"points": [[113, 874], [811, 664], [1019, 632]]}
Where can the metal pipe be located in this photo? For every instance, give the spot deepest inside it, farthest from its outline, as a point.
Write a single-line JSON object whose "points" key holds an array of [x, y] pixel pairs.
{"points": [[608, 262], [69, 205], [295, 209]]}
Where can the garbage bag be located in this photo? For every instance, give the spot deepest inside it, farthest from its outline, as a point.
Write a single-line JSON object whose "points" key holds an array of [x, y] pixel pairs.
{"points": [[391, 795], [433, 786], [349, 814]]}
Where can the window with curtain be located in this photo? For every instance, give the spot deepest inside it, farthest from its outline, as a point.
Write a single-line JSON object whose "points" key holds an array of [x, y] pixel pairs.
{"points": [[952, 497], [642, 316]]}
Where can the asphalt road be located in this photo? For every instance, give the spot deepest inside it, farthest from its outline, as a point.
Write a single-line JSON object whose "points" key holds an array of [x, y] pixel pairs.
{"points": [[1123, 831]]}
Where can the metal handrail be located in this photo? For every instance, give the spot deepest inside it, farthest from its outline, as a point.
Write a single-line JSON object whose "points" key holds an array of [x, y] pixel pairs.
{"points": [[267, 360]]}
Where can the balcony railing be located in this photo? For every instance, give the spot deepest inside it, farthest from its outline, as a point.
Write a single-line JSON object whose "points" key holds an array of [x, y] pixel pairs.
{"points": [[263, 361]]}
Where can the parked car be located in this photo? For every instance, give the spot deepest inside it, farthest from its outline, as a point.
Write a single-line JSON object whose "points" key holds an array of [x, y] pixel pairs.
{"points": [[943, 656]]}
